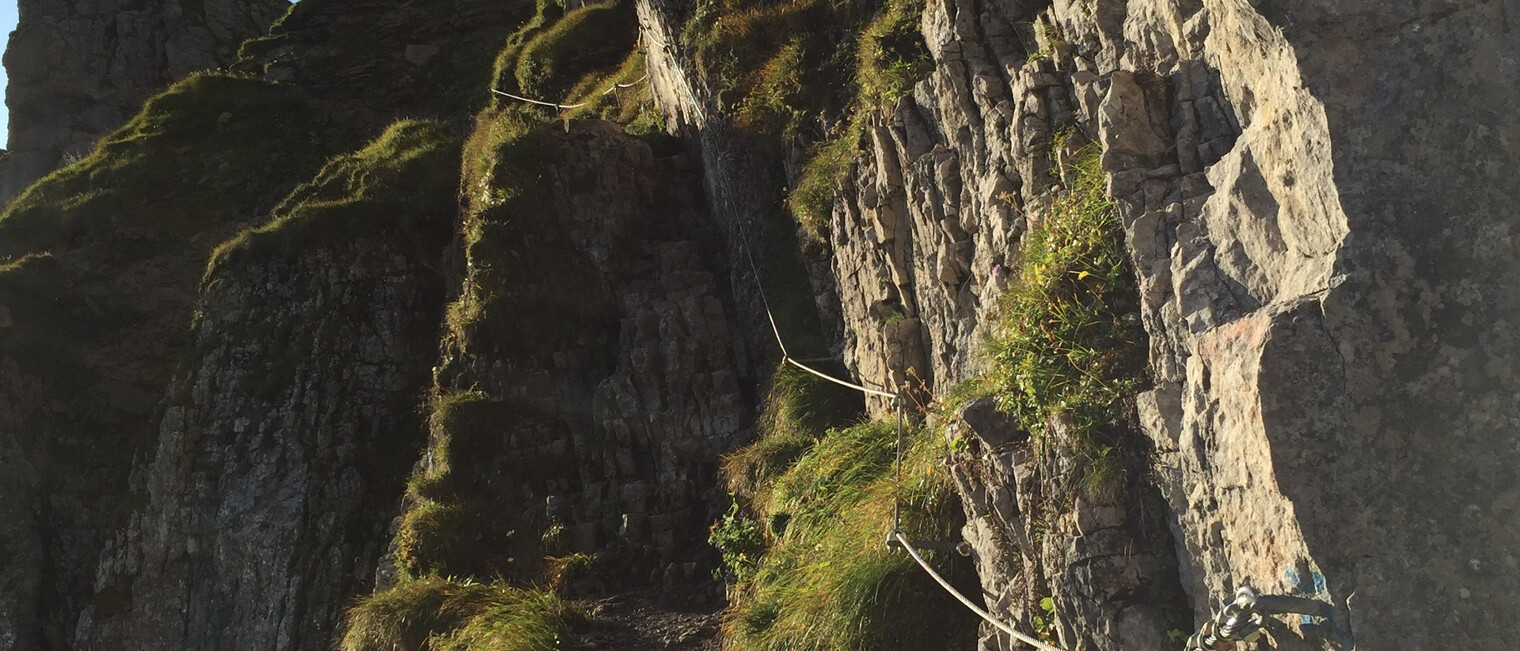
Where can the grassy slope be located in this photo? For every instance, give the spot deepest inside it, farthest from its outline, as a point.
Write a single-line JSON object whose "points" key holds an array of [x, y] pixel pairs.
{"points": [[448, 615], [204, 152], [808, 557], [401, 187]]}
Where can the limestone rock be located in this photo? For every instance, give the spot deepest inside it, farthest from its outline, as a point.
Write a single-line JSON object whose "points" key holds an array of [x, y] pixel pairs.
{"points": [[1316, 204]]}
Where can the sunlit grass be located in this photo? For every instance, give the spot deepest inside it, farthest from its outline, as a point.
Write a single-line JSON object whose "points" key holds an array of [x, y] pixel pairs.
{"points": [[437, 614], [807, 548], [1067, 341]]}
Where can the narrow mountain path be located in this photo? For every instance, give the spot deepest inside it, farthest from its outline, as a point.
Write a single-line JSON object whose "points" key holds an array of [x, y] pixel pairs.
{"points": [[645, 621]]}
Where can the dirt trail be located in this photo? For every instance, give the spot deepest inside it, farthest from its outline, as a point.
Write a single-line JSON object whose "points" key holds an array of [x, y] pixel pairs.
{"points": [[648, 621]]}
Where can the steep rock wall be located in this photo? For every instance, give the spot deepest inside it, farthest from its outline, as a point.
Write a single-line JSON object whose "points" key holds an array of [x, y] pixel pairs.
{"points": [[79, 70], [292, 423], [102, 264], [1302, 310], [773, 267], [589, 376], [923, 234], [1328, 356], [927, 234]]}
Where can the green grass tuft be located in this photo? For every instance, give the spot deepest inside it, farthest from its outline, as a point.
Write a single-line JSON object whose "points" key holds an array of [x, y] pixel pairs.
{"points": [[827, 580], [633, 107], [892, 54], [454, 524], [592, 37], [436, 614], [570, 58], [1068, 341], [782, 77], [812, 200], [804, 544], [799, 408], [891, 58]]}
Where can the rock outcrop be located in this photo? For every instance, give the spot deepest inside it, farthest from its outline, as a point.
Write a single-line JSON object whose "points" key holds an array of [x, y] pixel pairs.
{"points": [[925, 239], [210, 400], [102, 266], [290, 428], [589, 377], [1330, 320], [102, 272], [1314, 206], [79, 70]]}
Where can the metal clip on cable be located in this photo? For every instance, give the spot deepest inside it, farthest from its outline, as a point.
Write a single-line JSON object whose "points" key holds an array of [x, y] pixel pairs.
{"points": [[1241, 620]]}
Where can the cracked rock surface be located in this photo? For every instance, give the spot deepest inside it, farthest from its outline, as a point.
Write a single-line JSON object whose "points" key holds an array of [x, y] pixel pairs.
{"points": [[1314, 200]]}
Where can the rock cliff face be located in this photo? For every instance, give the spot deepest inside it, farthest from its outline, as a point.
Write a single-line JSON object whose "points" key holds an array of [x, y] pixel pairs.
{"points": [[79, 70], [112, 395], [291, 424], [1328, 356], [1302, 305], [588, 380], [211, 399], [100, 291]]}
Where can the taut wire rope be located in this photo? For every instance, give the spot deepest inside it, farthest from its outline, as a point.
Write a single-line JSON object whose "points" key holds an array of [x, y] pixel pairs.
{"points": [[896, 400], [566, 107], [903, 540], [899, 403]]}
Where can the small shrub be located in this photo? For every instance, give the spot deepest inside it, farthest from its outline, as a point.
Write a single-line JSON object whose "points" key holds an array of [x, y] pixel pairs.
{"points": [[561, 571], [741, 539]]}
